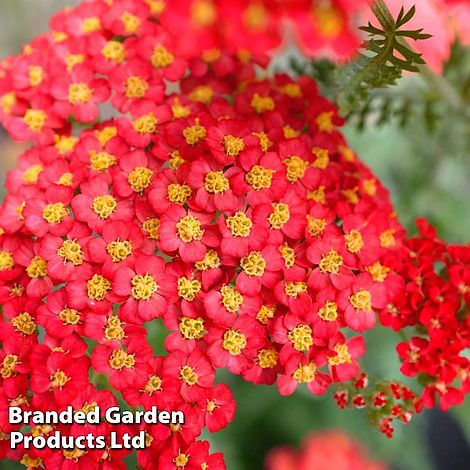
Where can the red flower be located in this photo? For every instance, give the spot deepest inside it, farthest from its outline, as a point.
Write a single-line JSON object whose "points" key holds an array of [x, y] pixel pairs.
{"points": [[78, 94], [140, 283]]}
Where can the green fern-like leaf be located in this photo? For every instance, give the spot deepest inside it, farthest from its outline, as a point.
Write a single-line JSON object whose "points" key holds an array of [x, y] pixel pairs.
{"points": [[382, 63]]}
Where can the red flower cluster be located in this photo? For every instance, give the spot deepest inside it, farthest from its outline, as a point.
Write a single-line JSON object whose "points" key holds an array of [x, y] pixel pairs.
{"points": [[228, 205], [322, 451], [435, 309], [233, 209]]}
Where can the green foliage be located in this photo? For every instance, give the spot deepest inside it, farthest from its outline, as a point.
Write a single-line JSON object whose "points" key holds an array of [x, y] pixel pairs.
{"points": [[385, 58]]}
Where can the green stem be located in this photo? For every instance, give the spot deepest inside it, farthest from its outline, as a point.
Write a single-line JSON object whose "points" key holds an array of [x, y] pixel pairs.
{"points": [[383, 14]]}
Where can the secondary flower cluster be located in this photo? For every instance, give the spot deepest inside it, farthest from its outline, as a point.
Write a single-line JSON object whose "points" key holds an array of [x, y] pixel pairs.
{"points": [[322, 451], [385, 401], [436, 312]]}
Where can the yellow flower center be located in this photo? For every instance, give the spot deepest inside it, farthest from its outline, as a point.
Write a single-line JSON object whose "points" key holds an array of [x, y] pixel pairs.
{"points": [[232, 300], [317, 195], [152, 227], [331, 262], [30, 462], [24, 323], [264, 141], [79, 93], [315, 226], [233, 145], [74, 454], [279, 216], [119, 250], [35, 119], [288, 254], [114, 328], [193, 134], [216, 182], [54, 213], [378, 271], [234, 342], [259, 178], [296, 167], [140, 178], [370, 186], [192, 328], [143, 286], [387, 238], [71, 60], [351, 195], [305, 374], [179, 110], [7, 102], [325, 121], [294, 288], [120, 359], [267, 358], [211, 55], [265, 314], [301, 337], [189, 229], [37, 268], [6, 261], [188, 375], [136, 87], [161, 57], [69, 316], [255, 17], [211, 260], [104, 206], [65, 144], [178, 193], [289, 132], [131, 22], [59, 379], [261, 104], [354, 241], [322, 158], [31, 175], [97, 287], [328, 20], [329, 312], [188, 289], [154, 384], [71, 251], [361, 300], [101, 161], [342, 355], [106, 134], [114, 51], [35, 75], [181, 460], [203, 13], [66, 179], [292, 90], [202, 94], [9, 366], [146, 124], [239, 224], [254, 264], [91, 24]]}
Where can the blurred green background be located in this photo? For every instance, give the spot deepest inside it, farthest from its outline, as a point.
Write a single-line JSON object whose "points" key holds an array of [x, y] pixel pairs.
{"points": [[427, 174]]}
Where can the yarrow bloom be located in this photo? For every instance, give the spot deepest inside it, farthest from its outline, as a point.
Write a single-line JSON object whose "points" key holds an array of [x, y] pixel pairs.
{"points": [[228, 205]]}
